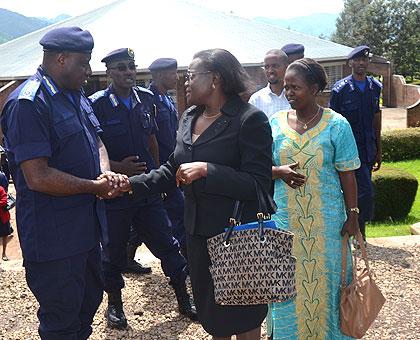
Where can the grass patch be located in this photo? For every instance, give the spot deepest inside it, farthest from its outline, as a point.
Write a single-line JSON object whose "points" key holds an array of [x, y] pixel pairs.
{"points": [[412, 81], [400, 227], [396, 228]]}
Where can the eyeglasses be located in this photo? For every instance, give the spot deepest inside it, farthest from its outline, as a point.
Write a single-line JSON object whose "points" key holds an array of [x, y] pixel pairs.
{"points": [[191, 75], [124, 67]]}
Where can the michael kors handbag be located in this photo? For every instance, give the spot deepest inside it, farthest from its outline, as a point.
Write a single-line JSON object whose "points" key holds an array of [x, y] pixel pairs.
{"points": [[361, 300], [252, 263]]}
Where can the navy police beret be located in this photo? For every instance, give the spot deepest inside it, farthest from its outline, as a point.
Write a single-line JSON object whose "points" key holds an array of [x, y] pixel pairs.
{"points": [[162, 64], [72, 39], [120, 54], [359, 51], [293, 49]]}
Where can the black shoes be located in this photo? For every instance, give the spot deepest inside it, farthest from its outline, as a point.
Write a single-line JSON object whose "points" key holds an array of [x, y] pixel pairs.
{"points": [[136, 268], [185, 304], [114, 314], [132, 265]]}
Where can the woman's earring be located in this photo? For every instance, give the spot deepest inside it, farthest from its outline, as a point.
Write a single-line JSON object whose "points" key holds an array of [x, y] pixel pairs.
{"points": [[213, 86]]}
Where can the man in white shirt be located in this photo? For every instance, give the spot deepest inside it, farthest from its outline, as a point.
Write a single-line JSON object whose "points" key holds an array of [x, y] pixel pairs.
{"points": [[272, 99]]}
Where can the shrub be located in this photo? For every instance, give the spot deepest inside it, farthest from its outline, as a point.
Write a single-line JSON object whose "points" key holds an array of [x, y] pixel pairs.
{"points": [[398, 145], [395, 191]]}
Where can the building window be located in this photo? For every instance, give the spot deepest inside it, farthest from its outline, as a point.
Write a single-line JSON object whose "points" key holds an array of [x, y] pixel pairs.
{"points": [[334, 74]]}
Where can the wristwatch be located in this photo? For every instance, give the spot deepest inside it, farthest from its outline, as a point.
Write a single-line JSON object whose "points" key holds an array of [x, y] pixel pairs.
{"points": [[356, 210]]}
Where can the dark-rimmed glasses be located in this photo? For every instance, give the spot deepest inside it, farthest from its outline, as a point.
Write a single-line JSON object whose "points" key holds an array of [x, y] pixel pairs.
{"points": [[124, 67], [191, 75]]}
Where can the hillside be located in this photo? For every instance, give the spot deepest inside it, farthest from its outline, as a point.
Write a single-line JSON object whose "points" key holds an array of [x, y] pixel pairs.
{"points": [[13, 25], [321, 24]]}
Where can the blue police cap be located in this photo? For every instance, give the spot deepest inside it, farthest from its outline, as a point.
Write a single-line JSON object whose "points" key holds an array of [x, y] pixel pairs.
{"points": [[72, 39], [293, 49], [120, 54], [359, 51], [162, 64]]}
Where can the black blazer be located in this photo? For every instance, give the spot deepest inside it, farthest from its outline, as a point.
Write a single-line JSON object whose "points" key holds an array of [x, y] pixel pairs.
{"points": [[237, 148]]}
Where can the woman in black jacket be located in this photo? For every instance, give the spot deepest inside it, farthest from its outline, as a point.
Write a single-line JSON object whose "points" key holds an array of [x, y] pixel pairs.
{"points": [[223, 147]]}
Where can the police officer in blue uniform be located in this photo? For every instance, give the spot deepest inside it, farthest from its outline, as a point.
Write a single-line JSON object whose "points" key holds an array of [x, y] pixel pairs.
{"points": [[165, 78], [294, 51], [356, 97], [56, 156], [126, 115]]}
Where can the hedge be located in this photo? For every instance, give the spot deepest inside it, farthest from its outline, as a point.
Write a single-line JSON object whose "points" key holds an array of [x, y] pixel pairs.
{"points": [[395, 191], [398, 145]]}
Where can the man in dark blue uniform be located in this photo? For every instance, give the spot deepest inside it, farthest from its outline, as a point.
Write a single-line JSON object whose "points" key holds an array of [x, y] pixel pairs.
{"points": [[126, 115], [165, 78], [55, 157], [294, 51], [356, 97]]}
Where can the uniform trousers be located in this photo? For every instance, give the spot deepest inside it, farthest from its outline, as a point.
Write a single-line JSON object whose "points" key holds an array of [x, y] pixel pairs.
{"points": [[174, 205], [365, 195], [151, 223], [69, 292]]}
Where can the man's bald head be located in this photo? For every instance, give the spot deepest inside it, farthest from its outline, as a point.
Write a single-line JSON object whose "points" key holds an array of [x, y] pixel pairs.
{"points": [[278, 53]]}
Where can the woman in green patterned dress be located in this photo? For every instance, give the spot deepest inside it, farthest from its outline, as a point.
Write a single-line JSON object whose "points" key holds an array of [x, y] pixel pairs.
{"points": [[318, 210]]}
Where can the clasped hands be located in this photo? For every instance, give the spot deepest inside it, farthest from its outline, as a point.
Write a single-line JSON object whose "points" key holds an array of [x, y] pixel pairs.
{"points": [[189, 172], [111, 185]]}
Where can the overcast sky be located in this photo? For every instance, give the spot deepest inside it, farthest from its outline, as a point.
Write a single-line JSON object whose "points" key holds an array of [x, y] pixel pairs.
{"points": [[267, 8]]}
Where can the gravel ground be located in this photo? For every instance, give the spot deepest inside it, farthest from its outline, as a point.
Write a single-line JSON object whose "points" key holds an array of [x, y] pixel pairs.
{"points": [[151, 307]]}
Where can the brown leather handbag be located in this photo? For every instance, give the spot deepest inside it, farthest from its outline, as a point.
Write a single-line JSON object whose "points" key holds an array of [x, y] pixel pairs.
{"points": [[361, 300]]}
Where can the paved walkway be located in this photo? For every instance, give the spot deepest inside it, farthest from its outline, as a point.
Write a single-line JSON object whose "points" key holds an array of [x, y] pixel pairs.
{"points": [[394, 118]]}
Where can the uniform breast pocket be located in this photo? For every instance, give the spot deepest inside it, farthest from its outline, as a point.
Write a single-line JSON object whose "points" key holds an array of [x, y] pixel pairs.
{"points": [[114, 129], [350, 110], [68, 127], [71, 150]]}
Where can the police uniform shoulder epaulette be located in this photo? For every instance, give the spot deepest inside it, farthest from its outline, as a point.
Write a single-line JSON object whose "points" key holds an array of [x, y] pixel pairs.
{"points": [[30, 89], [97, 95], [376, 82], [339, 86], [142, 89]]}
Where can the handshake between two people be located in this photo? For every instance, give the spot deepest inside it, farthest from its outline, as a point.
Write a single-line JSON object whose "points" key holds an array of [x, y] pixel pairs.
{"points": [[110, 185]]}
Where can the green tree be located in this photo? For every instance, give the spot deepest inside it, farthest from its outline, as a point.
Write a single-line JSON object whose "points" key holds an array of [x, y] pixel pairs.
{"points": [[349, 26], [405, 37], [391, 28], [376, 27]]}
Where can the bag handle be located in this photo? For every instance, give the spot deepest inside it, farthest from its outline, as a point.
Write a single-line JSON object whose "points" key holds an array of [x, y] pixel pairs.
{"points": [[266, 206], [345, 244]]}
